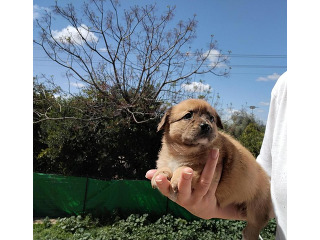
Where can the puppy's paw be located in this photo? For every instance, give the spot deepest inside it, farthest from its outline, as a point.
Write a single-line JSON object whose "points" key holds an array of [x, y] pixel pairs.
{"points": [[177, 174], [165, 171], [174, 184]]}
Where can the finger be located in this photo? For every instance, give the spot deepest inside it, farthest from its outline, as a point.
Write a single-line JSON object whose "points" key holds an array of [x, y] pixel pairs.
{"points": [[150, 173], [207, 174], [163, 184], [184, 185], [216, 179]]}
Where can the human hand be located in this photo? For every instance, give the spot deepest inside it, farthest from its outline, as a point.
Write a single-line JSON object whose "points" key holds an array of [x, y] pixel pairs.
{"points": [[201, 201]]}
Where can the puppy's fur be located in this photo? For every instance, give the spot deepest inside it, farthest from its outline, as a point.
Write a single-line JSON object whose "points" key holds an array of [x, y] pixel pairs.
{"points": [[190, 131]]}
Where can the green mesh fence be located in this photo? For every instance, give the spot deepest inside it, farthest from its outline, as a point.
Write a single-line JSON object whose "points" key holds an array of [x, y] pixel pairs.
{"points": [[58, 196]]}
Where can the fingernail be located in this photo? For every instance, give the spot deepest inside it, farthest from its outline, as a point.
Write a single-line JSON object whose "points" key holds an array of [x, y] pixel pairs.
{"points": [[147, 173], [158, 180], [215, 153], [187, 174]]}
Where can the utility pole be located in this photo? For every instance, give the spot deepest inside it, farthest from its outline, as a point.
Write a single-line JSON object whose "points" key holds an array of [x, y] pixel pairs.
{"points": [[252, 108]]}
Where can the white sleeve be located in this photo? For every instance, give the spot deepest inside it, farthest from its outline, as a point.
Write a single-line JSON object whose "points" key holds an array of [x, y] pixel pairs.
{"points": [[273, 153], [264, 158]]}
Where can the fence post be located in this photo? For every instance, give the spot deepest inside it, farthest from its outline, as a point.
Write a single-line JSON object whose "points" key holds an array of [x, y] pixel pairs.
{"points": [[167, 205], [85, 197]]}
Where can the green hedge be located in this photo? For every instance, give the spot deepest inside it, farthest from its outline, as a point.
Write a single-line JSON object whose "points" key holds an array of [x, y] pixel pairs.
{"points": [[143, 227]]}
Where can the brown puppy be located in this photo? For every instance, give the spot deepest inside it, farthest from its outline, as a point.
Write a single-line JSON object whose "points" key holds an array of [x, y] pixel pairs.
{"points": [[190, 131]]}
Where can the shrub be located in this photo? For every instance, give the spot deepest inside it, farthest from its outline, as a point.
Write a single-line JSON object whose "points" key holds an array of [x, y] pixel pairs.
{"points": [[78, 223], [252, 138], [141, 227]]}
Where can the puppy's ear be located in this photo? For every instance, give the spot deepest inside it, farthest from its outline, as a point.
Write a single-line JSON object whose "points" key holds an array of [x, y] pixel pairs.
{"points": [[218, 122], [164, 120]]}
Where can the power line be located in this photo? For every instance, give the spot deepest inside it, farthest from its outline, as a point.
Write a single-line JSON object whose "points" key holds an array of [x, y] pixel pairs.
{"points": [[236, 56], [232, 66], [247, 56], [257, 66], [242, 55], [257, 56]]}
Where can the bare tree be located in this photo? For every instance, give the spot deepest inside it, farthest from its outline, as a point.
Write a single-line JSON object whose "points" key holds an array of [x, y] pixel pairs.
{"points": [[132, 58]]}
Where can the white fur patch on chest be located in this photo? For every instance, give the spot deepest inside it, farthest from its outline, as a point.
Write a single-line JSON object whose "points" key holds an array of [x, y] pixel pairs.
{"points": [[174, 164]]}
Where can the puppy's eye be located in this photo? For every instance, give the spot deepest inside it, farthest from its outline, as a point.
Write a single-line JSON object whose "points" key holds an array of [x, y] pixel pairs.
{"points": [[188, 115], [211, 118]]}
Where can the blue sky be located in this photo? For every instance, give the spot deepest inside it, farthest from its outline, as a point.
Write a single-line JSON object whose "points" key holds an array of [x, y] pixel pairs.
{"points": [[254, 31]]}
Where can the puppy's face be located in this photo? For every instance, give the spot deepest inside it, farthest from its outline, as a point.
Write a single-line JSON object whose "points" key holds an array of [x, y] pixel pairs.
{"points": [[192, 122]]}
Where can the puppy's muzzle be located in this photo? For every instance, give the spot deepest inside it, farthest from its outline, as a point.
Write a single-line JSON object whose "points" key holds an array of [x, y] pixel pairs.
{"points": [[205, 128]]}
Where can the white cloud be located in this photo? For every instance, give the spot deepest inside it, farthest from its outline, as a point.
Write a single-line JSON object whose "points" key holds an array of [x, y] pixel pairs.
{"points": [[64, 96], [71, 35], [78, 85], [232, 111], [103, 49], [229, 112], [272, 77], [37, 11], [215, 58], [196, 87], [264, 103]]}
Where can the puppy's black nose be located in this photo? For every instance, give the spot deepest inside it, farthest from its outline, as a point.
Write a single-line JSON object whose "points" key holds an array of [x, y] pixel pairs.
{"points": [[204, 127]]}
